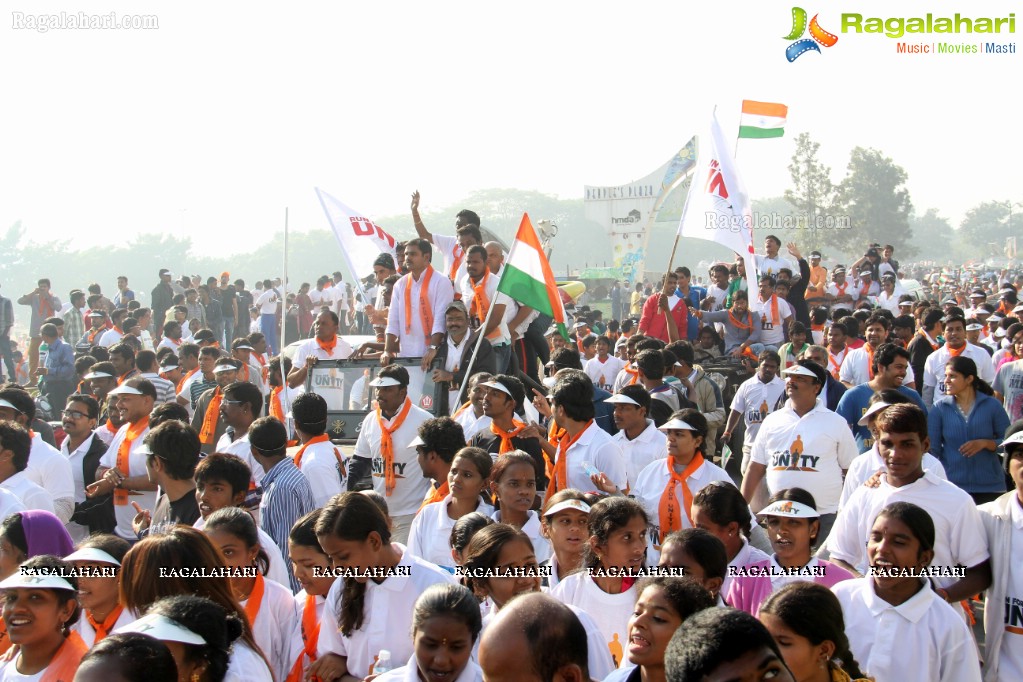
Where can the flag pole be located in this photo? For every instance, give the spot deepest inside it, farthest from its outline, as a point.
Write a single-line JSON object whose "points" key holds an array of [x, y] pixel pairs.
{"points": [[690, 175], [475, 350], [285, 406]]}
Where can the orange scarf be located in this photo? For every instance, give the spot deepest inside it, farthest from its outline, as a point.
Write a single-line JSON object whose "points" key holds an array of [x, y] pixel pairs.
{"points": [[322, 438], [110, 426], [866, 288], [124, 377], [310, 633], [276, 408], [740, 325], [327, 346], [436, 494], [480, 303], [506, 436], [387, 444], [45, 308], [64, 665], [559, 480], [816, 327], [953, 353], [924, 335], [840, 288], [457, 254], [93, 333], [774, 312], [254, 601], [123, 451], [103, 629], [870, 359], [670, 519], [633, 372], [209, 420], [425, 310], [185, 378], [5, 641]]}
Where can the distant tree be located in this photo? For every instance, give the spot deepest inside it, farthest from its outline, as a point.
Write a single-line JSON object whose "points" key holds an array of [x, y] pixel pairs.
{"points": [[812, 192], [874, 197], [936, 239], [986, 227]]}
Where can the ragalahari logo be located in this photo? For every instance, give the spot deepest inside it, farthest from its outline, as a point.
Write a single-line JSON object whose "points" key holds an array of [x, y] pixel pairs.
{"points": [[818, 36]]}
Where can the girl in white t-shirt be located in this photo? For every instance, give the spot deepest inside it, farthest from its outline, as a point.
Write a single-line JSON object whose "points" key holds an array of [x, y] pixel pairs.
{"points": [[500, 547], [899, 627], [721, 510], [102, 612], [513, 483], [618, 530], [269, 606], [369, 608], [700, 555], [446, 623], [128, 656], [662, 605], [430, 534], [565, 523], [311, 568]]}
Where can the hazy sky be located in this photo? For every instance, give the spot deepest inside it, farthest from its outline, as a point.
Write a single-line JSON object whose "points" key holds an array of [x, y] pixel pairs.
{"points": [[211, 124]]}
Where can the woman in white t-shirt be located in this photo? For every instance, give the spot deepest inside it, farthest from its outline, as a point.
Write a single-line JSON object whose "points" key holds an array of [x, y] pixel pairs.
{"points": [[369, 608], [312, 571], [721, 510], [513, 483], [430, 535], [269, 606], [662, 605], [565, 523], [899, 628], [446, 623], [617, 544], [39, 614]]}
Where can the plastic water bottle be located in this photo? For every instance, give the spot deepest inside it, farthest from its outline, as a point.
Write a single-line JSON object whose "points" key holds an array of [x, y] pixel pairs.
{"points": [[44, 350], [383, 663]]}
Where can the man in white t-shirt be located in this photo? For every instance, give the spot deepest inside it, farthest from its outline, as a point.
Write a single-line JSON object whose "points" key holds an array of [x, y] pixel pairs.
{"points": [[15, 444], [415, 320], [803, 445], [959, 534], [840, 290], [584, 449], [891, 290], [122, 469], [452, 249], [326, 345], [639, 439], [382, 450], [479, 293], [267, 302], [771, 263], [955, 344], [775, 313], [858, 366]]}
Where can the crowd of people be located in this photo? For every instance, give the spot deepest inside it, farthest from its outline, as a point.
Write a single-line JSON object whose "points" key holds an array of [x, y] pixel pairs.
{"points": [[566, 510]]}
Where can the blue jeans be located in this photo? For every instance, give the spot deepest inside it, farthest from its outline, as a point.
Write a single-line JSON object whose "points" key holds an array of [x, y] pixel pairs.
{"points": [[502, 354], [268, 325]]}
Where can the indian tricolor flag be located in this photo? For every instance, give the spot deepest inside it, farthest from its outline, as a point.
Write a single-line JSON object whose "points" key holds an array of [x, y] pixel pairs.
{"points": [[762, 119], [528, 278]]}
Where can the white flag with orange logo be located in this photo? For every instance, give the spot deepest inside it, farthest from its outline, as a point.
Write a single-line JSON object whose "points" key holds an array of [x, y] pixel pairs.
{"points": [[718, 207], [360, 238]]}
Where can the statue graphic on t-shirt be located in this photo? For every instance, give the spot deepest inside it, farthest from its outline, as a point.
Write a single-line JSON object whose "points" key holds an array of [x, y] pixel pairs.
{"points": [[795, 452], [616, 649]]}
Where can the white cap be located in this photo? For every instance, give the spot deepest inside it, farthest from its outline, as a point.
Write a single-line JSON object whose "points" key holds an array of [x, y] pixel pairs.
{"points": [[98, 375], [92, 554], [163, 628], [675, 425], [51, 582], [4, 403], [416, 442], [974, 327], [167, 368], [619, 399], [1014, 439], [871, 411], [243, 346], [385, 381], [224, 367], [125, 389], [791, 509], [578, 505], [799, 371], [498, 385], [1018, 309], [905, 303]]}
